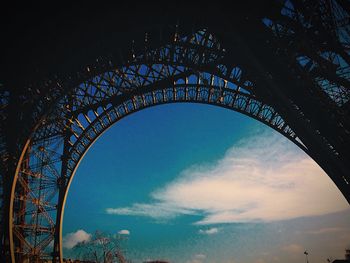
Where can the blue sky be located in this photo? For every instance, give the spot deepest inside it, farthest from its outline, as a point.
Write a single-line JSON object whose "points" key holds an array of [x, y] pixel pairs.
{"points": [[197, 183]]}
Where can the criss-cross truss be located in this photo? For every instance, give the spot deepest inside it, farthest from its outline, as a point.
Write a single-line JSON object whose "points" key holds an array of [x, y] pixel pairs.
{"points": [[195, 68], [188, 70], [87, 126]]}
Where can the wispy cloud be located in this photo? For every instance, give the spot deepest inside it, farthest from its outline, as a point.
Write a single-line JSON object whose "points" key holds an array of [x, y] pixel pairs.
{"points": [[262, 178], [72, 239], [293, 249], [124, 232], [328, 230], [210, 231], [198, 258], [158, 210]]}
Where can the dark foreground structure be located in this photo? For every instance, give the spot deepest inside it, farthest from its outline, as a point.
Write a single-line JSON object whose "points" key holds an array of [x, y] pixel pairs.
{"points": [[347, 258], [70, 72]]}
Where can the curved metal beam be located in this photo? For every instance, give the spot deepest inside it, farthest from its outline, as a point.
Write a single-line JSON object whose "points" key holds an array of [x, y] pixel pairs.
{"points": [[190, 69]]}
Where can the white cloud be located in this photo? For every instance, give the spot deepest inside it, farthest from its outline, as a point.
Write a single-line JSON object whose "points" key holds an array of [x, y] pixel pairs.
{"points": [[262, 178], [209, 231], [198, 258], [72, 239], [124, 232], [155, 210], [293, 249], [328, 230], [194, 260]]}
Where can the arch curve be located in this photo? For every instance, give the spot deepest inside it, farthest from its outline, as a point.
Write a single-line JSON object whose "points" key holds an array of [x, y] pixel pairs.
{"points": [[189, 69], [106, 117]]}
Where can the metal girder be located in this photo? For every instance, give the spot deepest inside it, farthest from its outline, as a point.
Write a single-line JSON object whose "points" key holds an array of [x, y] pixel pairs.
{"points": [[287, 86], [187, 70]]}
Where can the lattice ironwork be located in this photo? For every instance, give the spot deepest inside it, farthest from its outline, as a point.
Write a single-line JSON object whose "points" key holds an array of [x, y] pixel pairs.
{"points": [[300, 28], [174, 73], [35, 200], [68, 115]]}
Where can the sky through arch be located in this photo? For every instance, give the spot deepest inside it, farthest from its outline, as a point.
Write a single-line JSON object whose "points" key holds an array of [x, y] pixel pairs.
{"points": [[181, 179]]}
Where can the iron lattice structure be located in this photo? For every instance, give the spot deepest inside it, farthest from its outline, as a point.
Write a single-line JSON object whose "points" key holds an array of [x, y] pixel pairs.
{"points": [[295, 80]]}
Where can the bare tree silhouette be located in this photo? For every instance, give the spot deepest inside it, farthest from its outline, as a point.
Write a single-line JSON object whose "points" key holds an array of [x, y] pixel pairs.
{"points": [[102, 248]]}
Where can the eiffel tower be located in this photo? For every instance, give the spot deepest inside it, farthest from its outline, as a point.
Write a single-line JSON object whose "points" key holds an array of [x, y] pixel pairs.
{"points": [[68, 73]]}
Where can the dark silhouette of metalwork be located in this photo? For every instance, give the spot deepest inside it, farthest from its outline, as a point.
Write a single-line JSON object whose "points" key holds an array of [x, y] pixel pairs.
{"points": [[285, 65], [346, 260]]}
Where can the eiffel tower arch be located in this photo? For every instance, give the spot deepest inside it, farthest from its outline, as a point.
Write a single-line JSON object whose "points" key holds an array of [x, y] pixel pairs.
{"points": [[283, 63]]}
